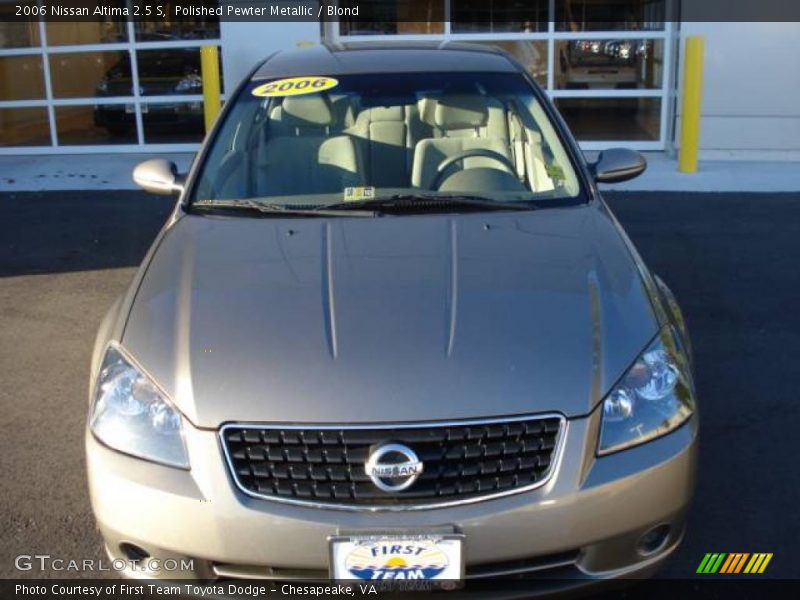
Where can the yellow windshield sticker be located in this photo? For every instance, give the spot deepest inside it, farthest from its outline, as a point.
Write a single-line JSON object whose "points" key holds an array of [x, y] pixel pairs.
{"points": [[555, 171], [295, 86], [357, 194]]}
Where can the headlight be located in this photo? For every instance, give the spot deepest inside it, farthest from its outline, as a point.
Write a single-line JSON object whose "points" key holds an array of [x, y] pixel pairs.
{"points": [[132, 415], [653, 398]]}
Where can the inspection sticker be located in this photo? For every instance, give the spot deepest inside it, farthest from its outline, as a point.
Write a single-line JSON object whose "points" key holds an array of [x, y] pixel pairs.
{"points": [[554, 171], [295, 86], [356, 194]]}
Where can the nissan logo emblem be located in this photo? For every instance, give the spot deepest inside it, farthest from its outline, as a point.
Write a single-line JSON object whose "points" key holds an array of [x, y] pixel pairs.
{"points": [[393, 467]]}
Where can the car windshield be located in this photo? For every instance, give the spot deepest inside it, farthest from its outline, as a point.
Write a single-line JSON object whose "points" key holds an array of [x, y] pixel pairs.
{"points": [[320, 141]]}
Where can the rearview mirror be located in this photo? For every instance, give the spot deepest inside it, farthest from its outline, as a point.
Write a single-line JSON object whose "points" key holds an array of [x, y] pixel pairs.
{"points": [[618, 164], [158, 176]]}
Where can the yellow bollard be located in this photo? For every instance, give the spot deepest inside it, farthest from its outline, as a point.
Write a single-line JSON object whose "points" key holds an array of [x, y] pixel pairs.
{"points": [[692, 100], [209, 63]]}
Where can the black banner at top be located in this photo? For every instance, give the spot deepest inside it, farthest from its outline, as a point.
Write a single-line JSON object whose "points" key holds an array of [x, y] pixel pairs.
{"points": [[498, 15]]}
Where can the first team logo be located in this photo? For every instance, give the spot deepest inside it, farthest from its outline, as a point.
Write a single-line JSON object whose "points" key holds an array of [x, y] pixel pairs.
{"points": [[403, 561]]}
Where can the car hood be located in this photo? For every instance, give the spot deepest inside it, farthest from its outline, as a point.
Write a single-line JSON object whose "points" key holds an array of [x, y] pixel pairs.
{"points": [[423, 317]]}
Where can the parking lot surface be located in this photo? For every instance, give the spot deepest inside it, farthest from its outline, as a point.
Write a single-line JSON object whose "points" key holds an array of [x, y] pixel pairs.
{"points": [[731, 259]]}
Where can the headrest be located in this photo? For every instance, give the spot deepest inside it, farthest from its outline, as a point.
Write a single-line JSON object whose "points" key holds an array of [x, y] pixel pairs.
{"points": [[386, 113], [308, 110], [344, 111], [426, 107], [459, 111]]}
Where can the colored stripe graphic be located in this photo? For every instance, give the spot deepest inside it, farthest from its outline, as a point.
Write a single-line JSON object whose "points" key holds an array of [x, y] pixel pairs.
{"points": [[755, 561], [741, 562], [711, 562], [737, 563], [765, 563], [734, 563], [703, 563], [726, 566], [716, 565]]}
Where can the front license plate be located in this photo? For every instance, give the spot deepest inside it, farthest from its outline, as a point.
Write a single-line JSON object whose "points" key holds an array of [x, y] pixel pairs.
{"points": [[413, 557]]}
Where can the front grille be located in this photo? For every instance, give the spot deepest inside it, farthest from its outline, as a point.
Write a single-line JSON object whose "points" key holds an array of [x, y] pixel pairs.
{"points": [[325, 465]]}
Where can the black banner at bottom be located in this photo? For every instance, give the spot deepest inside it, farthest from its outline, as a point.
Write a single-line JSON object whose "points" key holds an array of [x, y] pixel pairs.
{"points": [[710, 588]]}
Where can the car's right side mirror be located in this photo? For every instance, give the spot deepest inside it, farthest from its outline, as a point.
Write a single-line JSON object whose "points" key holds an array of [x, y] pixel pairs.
{"points": [[618, 164], [158, 176]]}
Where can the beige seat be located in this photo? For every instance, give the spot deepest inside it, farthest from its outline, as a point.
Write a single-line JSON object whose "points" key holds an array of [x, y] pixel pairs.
{"points": [[528, 152], [463, 121], [387, 136], [495, 124], [343, 108], [383, 135], [298, 155]]}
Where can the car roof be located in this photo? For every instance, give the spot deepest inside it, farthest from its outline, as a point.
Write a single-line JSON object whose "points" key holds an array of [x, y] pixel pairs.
{"points": [[400, 57]]}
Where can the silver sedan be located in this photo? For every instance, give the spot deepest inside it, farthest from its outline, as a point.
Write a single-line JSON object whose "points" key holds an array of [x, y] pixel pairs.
{"points": [[392, 332]]}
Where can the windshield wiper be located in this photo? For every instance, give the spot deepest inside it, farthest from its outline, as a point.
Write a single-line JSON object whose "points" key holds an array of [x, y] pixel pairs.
{"points": [[406, 200], [366, 208], [279, 209]]}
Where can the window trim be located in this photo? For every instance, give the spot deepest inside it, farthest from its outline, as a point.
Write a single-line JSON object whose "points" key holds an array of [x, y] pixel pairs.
{"points": [[132, 46], [330, 32], [665, 92]]}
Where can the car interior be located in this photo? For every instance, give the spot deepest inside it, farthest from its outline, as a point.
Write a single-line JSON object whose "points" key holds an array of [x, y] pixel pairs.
{"points": [[323, 143]]}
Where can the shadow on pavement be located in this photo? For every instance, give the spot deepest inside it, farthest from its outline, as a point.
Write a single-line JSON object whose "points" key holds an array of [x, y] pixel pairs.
{"points": [[732, 261], [56, 232]]}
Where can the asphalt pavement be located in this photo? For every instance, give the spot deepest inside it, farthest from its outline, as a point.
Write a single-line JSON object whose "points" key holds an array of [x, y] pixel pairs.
{"points": [[731, 259]]}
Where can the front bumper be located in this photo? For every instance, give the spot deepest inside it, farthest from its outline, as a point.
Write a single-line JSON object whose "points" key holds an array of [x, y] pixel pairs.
{"points": [[585, 524]]}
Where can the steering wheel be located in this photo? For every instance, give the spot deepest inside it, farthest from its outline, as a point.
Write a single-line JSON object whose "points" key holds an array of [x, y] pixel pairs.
{"points": [[441, 169]]}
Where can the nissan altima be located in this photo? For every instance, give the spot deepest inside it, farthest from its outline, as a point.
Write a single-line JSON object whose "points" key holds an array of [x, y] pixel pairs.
{"points": [[392, 331]]}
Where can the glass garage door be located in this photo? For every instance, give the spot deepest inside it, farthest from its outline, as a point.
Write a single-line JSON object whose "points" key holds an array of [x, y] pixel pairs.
{"points": [[607, 64], [101, 86]]}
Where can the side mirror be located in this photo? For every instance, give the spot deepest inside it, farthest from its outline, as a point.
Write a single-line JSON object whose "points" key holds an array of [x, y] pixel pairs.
{"points": [[159, 176], [618, 164]]}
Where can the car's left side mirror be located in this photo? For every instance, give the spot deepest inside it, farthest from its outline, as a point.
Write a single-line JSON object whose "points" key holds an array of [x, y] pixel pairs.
{"points": [[159, 176], [618, 164]]}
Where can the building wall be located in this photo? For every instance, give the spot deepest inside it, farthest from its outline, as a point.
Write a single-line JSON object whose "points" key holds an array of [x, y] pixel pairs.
{"points": [[50, 74], [751, 93], [245, 44], [102, 86], [751, 90]]}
